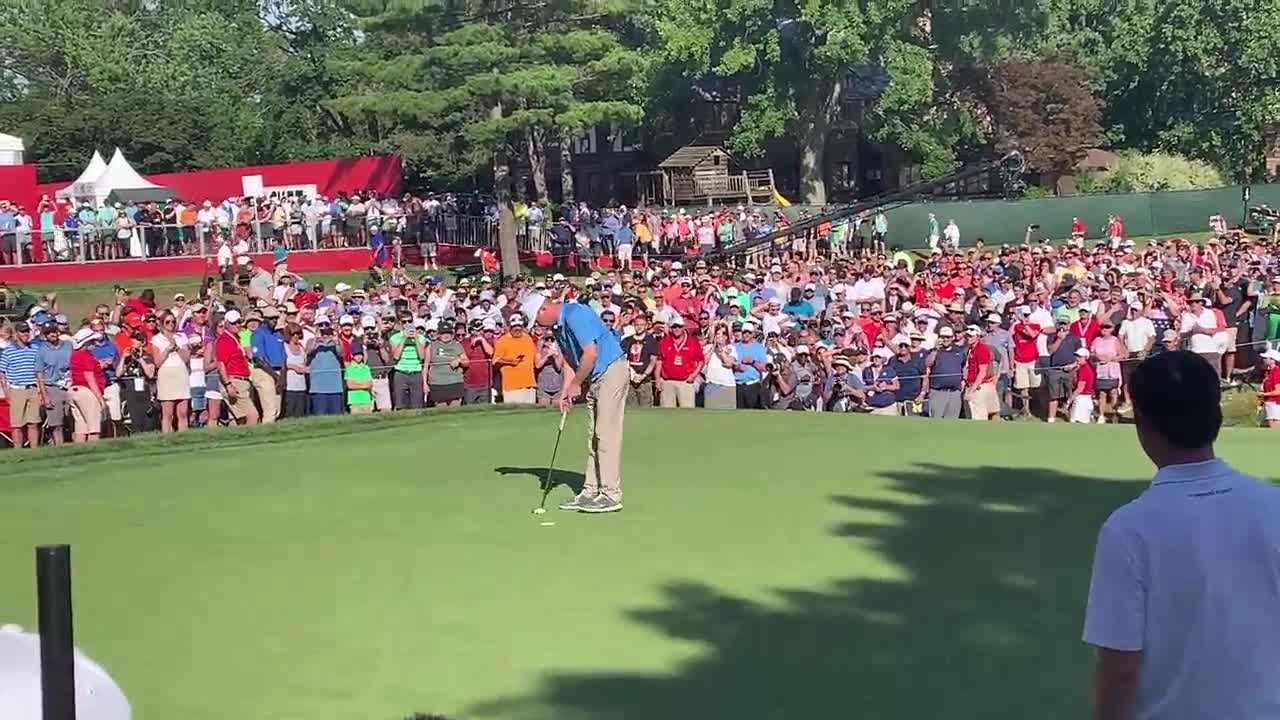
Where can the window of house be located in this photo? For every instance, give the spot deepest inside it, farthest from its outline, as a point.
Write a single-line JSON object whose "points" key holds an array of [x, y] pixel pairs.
{"points": [[623, 138]]}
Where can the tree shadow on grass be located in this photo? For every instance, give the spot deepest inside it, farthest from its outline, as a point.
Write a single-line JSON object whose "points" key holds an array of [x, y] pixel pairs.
{"points": [[980, 617], [571, 478]]}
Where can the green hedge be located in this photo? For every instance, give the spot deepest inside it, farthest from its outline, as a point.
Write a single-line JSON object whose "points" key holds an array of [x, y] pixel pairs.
{"points": [[1006, 221]]}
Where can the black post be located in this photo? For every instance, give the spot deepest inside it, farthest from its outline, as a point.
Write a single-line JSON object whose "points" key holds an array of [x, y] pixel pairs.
{"points": [[57, 645]]}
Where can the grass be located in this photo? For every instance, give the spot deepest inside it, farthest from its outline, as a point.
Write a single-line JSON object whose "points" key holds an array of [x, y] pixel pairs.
{"points": [[768, 565]]}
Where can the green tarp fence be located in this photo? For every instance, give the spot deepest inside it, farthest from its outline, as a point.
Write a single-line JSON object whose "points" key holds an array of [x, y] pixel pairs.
{"points": [[1006, 221]]}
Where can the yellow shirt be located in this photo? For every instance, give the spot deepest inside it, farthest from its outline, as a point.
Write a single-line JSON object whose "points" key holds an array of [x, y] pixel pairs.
{"points": [[520, 375]]}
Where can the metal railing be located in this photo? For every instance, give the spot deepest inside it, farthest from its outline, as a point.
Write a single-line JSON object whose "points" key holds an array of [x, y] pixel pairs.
{"points": [[91, 242]]}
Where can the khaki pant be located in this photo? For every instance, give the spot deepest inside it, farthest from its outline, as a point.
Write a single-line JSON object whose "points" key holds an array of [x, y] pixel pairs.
{"points": [[362, 409], [640, 394], [678, 393], [86, 410], [983, 402], [268, 399], [606, 401], [525, 396], [242, 406]]}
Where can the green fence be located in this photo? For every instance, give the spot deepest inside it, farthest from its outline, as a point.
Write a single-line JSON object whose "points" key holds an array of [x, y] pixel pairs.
{"points": [[1006, 221]]}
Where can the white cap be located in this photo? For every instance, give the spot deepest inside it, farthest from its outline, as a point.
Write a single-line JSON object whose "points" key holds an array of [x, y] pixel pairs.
{"points": [[341, 287], [676, 319], [486, 278], [428, 325], [946, 331], [882, 352], [531, 306], [1082, 352], [85, 335], [515, 319], [243, 260], [973, 330], [1135, 306], [98, 697], [1272, 354], [346, 320], [810, 286], [368, 321], [775, 301], [993, 318], [908, 306], [1024, 310], [232, 316], [802, 349], [558, 277], [677, 265], [486, 295], [489, 324]]}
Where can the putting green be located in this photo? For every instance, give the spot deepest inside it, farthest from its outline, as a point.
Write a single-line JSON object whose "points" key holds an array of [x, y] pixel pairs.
{"points": [[767, 565]]}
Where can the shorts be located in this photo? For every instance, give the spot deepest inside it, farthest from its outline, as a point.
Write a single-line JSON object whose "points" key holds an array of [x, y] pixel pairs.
{"points": [[441, 394], [382, 394], [365, 409], [477, 396], [87, 411], [547, 397], [59, 407], [1025, 375], [24, 406], [1059, 382], [242, 406], [1271, 410], [1232, 333], [1106, 384], [212, 386]]}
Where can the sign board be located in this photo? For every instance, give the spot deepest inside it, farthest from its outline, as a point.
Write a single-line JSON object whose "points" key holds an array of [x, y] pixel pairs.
{"points": [[251, 185]]}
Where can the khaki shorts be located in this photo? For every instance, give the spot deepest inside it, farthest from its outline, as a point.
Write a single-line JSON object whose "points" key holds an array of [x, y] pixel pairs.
{"points": [[1232, 334], [24, 406], [86, 410], [362, 409], [983, 402], [115, 408], [242, 406], [1025, 375]]}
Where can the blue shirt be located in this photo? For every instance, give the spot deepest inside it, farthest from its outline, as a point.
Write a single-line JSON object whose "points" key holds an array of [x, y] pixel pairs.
{"points": [[879, 399], [579, 327], [801, 309], [106, 350], [55, 362], [19, 365], [8, 221], [747, 353], [325, 377], [267, 346]]}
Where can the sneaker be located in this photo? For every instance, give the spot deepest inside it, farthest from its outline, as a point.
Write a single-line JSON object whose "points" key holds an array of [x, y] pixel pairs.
{"points": [[577, 502], [601, 504]]}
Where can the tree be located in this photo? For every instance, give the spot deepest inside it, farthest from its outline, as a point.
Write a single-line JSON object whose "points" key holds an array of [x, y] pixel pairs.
{"points": [[1043, 107], [462, 94], [1153, 172]]}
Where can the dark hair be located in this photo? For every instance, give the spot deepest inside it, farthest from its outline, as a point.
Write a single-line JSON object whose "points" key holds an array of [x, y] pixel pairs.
{"points": [[1177, 394]]}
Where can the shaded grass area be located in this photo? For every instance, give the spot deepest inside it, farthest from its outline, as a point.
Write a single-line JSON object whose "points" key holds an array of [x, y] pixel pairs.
{"points": [[768, 565]]}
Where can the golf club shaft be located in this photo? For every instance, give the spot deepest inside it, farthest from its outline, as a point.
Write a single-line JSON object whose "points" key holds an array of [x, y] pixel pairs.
{"points": [[546, 482]]}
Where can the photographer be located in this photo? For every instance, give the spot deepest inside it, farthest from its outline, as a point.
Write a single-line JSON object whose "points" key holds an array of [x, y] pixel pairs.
{"points": [[406, 351], [324, 371], [844, 391], [807, 381], [374, 340], [134, 373]]}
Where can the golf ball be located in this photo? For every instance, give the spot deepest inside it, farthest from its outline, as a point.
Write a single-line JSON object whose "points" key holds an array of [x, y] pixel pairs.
{"points": [[539, 511]]}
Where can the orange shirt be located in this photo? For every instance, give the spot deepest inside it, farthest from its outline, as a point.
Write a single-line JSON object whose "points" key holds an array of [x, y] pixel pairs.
{"points": [[520, 375]]}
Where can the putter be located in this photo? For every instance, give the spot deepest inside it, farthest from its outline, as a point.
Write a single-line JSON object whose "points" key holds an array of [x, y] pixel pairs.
{"points": [[546, 481]]}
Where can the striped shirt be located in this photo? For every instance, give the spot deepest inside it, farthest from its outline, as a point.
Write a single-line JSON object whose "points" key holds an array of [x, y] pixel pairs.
{"points": [[18, 365]]}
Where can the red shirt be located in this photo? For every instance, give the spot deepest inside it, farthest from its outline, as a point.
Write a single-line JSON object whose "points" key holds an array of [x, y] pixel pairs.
{"points": [[478, 373], [1085, 378], [689, 308], [680, 359], [1086, 331], [231, 355], [871, 328], [1025, 348], [1271, 381], [345, 343], [83, 362], [979, 354]]}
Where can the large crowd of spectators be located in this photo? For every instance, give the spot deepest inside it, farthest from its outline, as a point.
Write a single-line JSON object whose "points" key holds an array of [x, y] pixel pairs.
{"points": [[821, 323]]}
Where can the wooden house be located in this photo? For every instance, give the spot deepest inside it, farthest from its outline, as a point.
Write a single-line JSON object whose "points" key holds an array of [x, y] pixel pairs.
{"points": [[705, 174]]}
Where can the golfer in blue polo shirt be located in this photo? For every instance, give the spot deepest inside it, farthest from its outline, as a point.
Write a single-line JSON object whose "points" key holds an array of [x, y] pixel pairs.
{"points": [[594, 360]]}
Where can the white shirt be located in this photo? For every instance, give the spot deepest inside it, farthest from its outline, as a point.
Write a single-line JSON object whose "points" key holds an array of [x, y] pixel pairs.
{"points": [[1200, 343], [868, 290], [224, 255], [1136, 333], [952, 233], [1042, 317], [161, 343], [1189, 573]]}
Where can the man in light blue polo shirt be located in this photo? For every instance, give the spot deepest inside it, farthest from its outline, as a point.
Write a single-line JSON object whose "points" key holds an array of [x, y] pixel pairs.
{"points": [[752, 358], [593, 355], [1184, 603], [19, 378]]}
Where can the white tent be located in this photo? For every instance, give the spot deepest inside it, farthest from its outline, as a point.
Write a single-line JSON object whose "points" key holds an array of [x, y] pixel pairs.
{"points": [[115, 175], [11, 149], [83, 186]]}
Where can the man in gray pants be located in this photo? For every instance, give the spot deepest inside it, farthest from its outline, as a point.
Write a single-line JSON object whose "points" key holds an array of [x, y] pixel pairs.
{"points": [[944, 375]]}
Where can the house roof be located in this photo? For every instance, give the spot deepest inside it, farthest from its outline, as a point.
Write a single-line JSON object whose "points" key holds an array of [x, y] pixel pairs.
{"points": [[690, 155], [1098, 159]]}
